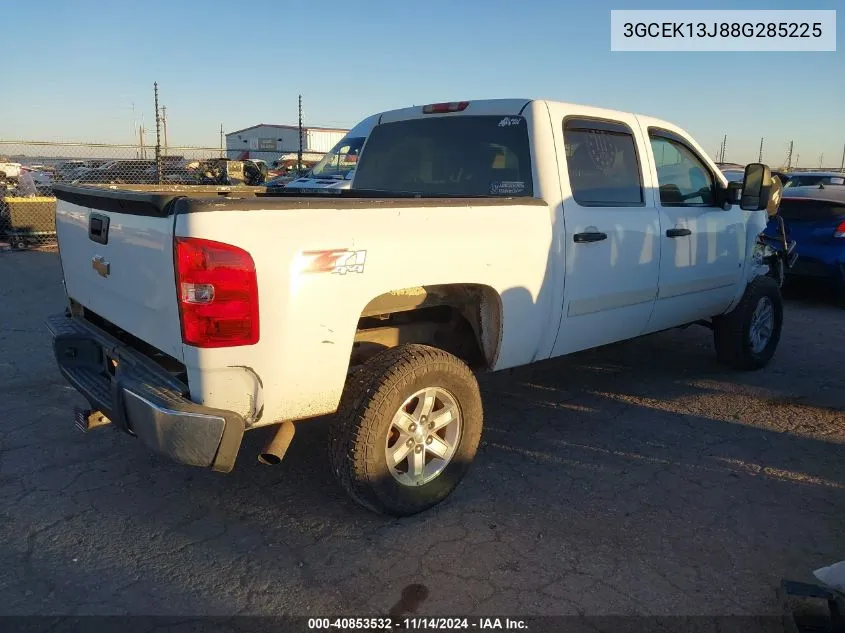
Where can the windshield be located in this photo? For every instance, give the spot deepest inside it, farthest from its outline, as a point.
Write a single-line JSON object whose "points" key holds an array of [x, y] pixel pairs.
{"points": [[449, 156], [341, 160], [814, 180]]}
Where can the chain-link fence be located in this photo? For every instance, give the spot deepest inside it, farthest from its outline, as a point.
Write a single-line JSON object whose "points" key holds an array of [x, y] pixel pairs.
{"points": [[29, 169]]}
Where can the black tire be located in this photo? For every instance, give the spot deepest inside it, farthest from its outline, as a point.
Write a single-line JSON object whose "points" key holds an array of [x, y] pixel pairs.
{"points": [[358, 433], [731, 331]]}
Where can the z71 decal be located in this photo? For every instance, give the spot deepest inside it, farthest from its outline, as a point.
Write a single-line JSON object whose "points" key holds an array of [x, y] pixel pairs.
{"points": [[340, 261]]}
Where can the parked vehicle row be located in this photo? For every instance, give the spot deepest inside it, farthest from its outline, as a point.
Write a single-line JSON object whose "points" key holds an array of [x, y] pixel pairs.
{"points": [[588, 226], [174, 170]]}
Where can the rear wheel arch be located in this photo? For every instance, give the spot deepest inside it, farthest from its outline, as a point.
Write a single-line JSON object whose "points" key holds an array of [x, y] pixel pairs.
{"points": [[464, 319]]}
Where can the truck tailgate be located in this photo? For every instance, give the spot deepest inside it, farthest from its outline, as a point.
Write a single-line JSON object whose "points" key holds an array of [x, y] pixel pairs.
{"points": [[117, 260]]}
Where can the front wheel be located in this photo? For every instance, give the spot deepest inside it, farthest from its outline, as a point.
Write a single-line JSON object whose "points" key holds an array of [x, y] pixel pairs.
{"points": [[747, 337], [407, 429]]}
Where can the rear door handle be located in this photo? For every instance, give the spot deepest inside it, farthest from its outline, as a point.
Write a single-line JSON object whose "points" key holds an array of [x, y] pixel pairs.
{"points": [[593, 236], [678, 232]]}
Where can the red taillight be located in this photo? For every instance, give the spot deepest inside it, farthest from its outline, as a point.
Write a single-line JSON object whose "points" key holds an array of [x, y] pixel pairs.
{"points": [[438, 108], [840, 230], [218, 293]]}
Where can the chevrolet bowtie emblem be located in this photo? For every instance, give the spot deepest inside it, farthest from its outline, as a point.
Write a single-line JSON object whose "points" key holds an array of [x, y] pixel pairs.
{"points": [[100, 265]]}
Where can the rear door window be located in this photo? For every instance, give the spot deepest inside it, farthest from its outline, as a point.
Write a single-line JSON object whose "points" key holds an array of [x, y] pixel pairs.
{"points": [[449, 156], [601, 158]]}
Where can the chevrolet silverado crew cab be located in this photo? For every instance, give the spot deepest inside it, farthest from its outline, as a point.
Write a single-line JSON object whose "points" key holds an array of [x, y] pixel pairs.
{"points": [[477, 236]]}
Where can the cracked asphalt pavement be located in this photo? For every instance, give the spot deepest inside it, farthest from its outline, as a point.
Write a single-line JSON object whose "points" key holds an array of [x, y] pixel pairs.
{"points": [[640, 478]]}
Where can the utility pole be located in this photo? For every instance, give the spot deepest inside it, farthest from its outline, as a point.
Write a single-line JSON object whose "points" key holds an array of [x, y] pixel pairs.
{"points": [[842, 164], [221, 140], [797, 158], [724, 146], [164, 125], [158, 134], [134, 123], [821, 159], [760, 153], [141, 137], [299, 155]]}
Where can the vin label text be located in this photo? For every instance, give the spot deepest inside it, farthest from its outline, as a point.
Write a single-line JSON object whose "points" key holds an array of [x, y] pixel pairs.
{"points": [[727, 30]]}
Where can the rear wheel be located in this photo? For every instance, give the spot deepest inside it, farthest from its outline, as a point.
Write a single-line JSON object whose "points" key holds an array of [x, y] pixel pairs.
{"points": [[407, 429], [747, 337]]}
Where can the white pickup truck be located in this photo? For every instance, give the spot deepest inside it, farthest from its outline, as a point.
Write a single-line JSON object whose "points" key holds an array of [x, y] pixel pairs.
{"points": [[478, 236]]}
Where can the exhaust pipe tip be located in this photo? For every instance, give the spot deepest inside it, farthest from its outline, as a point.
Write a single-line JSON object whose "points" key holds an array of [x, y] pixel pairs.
{"points": [[269, 459], [274, 451]]}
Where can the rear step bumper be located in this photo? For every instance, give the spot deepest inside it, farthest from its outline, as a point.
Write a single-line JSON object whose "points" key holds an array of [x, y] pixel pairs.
{"points": [[142, 399]]}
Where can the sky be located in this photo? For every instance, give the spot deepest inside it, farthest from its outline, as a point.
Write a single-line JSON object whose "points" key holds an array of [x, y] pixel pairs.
{"points": [[84, 70]]}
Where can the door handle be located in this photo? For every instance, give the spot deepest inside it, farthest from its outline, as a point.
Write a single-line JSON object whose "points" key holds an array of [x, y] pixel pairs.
{"points": [[678, 232], [593, 236]]}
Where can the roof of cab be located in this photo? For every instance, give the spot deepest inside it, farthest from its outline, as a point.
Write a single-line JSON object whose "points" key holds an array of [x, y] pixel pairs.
{"points": [[513, 107], [478, 107]]}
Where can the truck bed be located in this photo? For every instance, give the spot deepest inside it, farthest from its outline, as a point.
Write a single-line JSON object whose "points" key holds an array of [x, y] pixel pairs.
{"points": [[158, 200]]}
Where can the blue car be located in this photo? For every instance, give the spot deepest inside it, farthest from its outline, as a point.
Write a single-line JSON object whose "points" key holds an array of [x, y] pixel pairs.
{"points": [[814, 218]]}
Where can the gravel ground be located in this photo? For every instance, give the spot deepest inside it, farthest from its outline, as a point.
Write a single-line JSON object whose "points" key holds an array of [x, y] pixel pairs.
{"points": [[641, 478]]}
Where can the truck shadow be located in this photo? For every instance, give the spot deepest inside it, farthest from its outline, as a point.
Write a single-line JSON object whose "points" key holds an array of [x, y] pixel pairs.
{"points": [[579, 458], [814, 292], [643, 464]]}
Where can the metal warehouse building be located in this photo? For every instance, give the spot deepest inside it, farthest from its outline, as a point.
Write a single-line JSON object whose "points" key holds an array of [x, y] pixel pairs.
{"points": [[269, 141]]}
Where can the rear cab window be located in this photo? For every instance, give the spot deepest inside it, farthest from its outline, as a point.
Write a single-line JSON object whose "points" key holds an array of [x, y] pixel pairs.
{"points": [[464, 155]]}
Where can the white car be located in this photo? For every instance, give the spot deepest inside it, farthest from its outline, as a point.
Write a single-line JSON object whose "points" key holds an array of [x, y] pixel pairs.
{"points": [[9, 170], [478, 236], [337, 168]]}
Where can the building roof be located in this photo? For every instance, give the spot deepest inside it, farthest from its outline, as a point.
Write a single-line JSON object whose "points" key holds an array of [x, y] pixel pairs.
{"points": [[289, 127]]}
